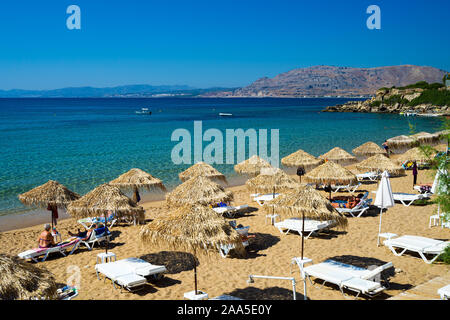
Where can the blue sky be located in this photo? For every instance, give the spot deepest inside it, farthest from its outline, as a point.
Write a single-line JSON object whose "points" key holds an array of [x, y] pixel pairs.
{"points": [[210, 43]]}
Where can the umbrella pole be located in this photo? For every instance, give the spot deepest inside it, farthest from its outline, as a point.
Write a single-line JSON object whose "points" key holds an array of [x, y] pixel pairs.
{"points": [[379, 227], [303, 232], [195, 274], [107, 238], [303, 245]]}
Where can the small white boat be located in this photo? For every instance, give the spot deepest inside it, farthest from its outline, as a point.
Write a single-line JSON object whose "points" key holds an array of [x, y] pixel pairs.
{"points": [[225, 114], [144, 111]]}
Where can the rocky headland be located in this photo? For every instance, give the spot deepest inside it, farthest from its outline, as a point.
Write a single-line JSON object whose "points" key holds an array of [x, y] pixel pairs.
{"points": [[420, 98]]}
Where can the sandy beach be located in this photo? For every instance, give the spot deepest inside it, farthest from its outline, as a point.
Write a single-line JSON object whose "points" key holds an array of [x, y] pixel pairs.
{"points": [[269, 253]]}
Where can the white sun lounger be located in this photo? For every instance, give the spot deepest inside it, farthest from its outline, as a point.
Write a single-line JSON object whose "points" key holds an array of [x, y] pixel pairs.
{"points": [[231, 211], [423, 246], [349, 188], [95, 238], [408, 198], [88, 222], [34, 254], [372, 176], [357, 210], [444, 292], [345, 276], [311, 226], [265, 197], [129, 273]]}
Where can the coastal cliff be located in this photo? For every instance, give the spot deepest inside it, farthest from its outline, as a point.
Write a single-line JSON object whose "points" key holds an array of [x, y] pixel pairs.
{"points": [[420, 98]]}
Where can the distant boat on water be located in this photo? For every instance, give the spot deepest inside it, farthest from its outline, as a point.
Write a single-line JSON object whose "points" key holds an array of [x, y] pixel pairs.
{"points": [[144, 111], [225, 114]]}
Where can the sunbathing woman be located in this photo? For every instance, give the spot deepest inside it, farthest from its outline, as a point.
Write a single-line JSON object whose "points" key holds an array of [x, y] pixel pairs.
{"points": [[46, 240]]}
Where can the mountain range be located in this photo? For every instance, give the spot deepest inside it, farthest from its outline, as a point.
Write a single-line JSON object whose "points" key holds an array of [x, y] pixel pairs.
{"points": [[335, 81], [313, 81], [138, 91]]}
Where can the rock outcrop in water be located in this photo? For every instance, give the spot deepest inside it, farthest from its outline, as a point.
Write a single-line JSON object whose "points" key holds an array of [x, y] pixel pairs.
{"points": [[401, 100]]}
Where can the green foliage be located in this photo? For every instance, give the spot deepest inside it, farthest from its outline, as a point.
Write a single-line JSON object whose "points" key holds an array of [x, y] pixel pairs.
{"points": [[396, 98], [445, 256], [423, 85], [376, 103], [433, 96]]}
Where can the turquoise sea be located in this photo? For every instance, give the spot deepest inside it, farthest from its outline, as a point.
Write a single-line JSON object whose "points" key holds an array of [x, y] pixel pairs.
{"points": [[85, 142]]}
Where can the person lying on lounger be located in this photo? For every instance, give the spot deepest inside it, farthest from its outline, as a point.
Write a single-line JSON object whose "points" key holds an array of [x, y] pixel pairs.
{"points": [[85, 234], [45, 239]]}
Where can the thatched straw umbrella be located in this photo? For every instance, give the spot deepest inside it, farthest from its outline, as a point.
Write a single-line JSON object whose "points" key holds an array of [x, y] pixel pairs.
{"points": [[195, 229], [302, 159], [339, 156], [368, 149], [21, 280], [136, 179], [102, 199], [426, 138], [331, 173], [270, 180], [381, 163], [198, 190], [252, 166], [415, 154], [401, 142], [50, 194], [202, 169], [443, 136]]}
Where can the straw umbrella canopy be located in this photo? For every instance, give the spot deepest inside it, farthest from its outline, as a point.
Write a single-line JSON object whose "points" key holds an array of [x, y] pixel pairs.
{"points": [[381, 163], [331, 173], [252, 166], [339, 156], [415, 154], [136, 179], [51, 193], [368, 149], [270, 180], [21, 280], [425, 138], [200, 191], [195, 229], [443, 136], [202, 169], [102, 199], [301, 158], [400, 142]]}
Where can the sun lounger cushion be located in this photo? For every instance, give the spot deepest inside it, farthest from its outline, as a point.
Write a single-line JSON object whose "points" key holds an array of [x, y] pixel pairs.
{"points": [[140, 267], [322, 271], [363, 285], [131, 280]]}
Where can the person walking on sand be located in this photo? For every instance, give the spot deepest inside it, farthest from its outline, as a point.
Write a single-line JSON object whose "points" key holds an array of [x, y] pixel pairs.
{"points": [[414, 172]]}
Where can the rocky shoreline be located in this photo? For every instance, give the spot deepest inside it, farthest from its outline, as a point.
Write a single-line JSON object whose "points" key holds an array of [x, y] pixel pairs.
{"points": [[393, 100]]}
